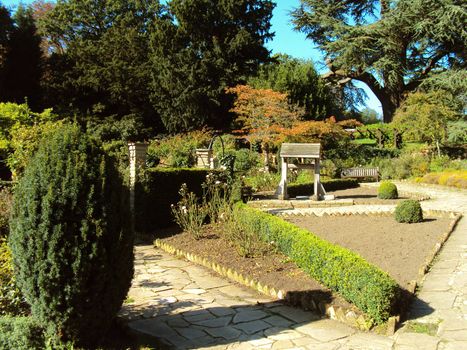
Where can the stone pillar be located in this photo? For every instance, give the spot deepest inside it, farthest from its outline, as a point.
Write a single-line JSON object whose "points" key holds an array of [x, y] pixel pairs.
{"points": [[204, 158], [281, 191], [137, 161]]}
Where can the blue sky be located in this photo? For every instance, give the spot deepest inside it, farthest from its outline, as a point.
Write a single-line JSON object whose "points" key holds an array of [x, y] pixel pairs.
{"points": [[286, 40]]}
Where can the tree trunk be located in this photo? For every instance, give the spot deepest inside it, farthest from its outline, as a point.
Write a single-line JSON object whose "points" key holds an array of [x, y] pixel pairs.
{"points": [[389, 103]]}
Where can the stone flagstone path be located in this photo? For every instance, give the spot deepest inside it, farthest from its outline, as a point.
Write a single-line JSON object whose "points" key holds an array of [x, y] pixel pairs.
{"points": [[188, 307]]}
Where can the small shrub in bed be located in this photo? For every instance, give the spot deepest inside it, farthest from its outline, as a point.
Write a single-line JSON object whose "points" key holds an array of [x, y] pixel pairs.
{"points": [[387, 190], [408, 211]]}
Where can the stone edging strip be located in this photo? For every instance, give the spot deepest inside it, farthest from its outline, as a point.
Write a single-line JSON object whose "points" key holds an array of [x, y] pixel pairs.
{"points": [[352, 317]]}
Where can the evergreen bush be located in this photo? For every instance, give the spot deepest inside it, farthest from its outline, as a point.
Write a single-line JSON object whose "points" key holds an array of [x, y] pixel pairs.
{"points": [[20, 333], [71, 237], [408, 211], [387, 190]]}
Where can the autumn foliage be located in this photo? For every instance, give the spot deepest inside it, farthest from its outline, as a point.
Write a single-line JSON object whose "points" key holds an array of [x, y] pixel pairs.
{"points": [[265, 116]]}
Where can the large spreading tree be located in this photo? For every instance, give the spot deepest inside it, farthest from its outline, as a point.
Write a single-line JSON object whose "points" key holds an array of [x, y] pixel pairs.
{"points": [[199, 48], [393, 46]]}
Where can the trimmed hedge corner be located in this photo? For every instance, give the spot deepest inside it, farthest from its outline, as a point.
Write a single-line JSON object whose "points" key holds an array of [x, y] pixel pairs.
{"points": [[345, 272], [158, 189], [328, 184]]}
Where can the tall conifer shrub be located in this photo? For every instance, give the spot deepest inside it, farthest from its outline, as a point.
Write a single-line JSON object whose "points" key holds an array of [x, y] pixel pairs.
{"points": [[71, 237]]}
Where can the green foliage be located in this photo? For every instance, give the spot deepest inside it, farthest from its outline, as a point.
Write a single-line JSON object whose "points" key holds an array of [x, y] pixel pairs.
{"points": [[188, 213], [369, 288], [159, 188], [302, 83], [457, 132], [387, 190], [245, 160], [25, 141], [11, 299], [369, 116], [199, 48], [262, 181], [5, 209], [14, 115], [178, 151], [391, 46], [406, 166], [408, 211], [100, 62], [21, 333], [425, 117], [71, 238]]}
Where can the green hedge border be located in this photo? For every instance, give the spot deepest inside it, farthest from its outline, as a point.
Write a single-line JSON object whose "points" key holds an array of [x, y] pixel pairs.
{"points": [[328, 184], [359, 282]]}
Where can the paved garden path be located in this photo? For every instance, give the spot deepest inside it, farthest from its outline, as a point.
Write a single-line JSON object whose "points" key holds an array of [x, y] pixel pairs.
{"points": [[189, 307]]}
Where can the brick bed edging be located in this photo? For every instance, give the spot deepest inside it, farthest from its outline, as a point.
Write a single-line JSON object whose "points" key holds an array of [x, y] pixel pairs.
{"points": [[352, 316]]}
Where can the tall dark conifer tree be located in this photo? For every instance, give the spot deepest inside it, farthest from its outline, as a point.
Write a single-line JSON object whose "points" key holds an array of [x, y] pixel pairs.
{"points": [[199, 48], [23, 61]]}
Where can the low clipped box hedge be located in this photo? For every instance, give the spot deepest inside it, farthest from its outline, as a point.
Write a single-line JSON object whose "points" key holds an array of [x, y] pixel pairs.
{"points": [[307, 189], [408, 211], [341, 270], [158, 189], [387, 190]]}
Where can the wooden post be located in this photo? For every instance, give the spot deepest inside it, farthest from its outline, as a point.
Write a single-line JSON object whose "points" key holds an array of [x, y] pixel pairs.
{"points": [[282, 189], [317, 188]]}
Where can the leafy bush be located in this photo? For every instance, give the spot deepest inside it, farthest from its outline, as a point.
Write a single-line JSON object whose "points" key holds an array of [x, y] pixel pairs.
{"points": [[71, 238], [407, 165], [5, 208], [408, 211], [262, 181], [387, 190], [456, 179], [11, 299], [20, 333], [179, 151], [246, 160], [25, 140], [341, 270]]}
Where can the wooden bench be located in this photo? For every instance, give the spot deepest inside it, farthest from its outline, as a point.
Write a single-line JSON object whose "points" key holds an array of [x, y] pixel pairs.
{"points": [[360, 173]]}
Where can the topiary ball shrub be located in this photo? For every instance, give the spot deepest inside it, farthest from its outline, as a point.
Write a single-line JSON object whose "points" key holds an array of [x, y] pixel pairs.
{"points": [[408, 211], [71, 238], [387, 190]]}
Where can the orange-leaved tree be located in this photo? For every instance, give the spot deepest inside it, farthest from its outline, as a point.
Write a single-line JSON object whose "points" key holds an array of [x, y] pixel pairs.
{"points": [[263, 115]]}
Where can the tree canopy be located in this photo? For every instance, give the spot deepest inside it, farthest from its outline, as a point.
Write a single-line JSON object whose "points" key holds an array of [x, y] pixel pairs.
{"points": [[198, 49], [301, 82], [392, 46]]}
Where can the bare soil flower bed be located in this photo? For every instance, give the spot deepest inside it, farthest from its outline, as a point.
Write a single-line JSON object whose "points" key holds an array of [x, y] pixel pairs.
{"points": [[399, 249]]}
